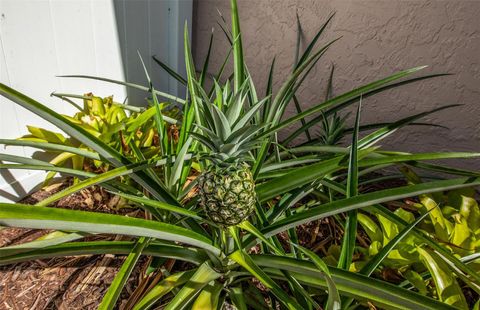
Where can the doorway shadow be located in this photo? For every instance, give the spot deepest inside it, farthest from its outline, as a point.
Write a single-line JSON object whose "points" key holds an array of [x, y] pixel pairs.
{"points": [[152, 27]]}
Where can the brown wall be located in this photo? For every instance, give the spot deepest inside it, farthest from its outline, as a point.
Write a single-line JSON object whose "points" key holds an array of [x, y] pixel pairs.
{"points": [[378, 38]]}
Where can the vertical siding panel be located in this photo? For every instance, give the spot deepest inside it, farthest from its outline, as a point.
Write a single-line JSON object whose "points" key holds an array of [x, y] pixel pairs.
{"points": [[29, 51], [136, 30], [42, 39], [181, 12], [153, 28], [9, 128], [30, 54], [107, 48], [75, 50], [159, 41]]}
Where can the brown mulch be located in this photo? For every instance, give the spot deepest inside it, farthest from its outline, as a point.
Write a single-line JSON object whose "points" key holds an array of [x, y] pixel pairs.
{"points": [[77, 282], [61, 283], [80, 282]]}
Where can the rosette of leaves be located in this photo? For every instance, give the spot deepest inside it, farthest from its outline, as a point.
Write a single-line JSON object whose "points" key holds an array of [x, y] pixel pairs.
{"points": [[292, 188]]}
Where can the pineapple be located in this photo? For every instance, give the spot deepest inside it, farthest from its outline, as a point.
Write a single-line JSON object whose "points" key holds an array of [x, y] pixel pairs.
{"points": [[227, 194], [226, 186]]}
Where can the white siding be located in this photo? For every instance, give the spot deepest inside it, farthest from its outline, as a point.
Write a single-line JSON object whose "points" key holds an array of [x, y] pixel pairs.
{"points": [[42, 39]]}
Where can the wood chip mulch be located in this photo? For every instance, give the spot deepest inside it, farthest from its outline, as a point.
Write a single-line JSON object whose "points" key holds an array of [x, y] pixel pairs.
{"points": [[77, 282]]}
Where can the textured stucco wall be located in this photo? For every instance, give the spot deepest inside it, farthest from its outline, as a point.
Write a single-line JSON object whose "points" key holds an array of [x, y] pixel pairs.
{"points": [[378, 38]]}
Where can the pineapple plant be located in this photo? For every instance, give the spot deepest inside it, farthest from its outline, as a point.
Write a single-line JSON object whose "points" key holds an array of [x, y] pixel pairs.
{"points": [[296, 185], [226, 186]]}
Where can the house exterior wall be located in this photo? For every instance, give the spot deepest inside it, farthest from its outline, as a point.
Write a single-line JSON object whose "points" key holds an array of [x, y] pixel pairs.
{"points": [[377, 38], [40, 39]]}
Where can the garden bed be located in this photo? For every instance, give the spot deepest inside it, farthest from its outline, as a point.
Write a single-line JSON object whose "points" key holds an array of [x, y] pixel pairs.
{"points": [[77, 282], [80, 282], [224, 198]]}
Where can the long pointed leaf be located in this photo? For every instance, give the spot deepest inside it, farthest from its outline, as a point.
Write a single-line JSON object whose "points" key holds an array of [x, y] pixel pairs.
{"points": [[343, 98], [238, 64], [348, 245], [381, 293], [366, 200], [199, 280], [52, 147], [246, 262], [183, 253], [19, 215], [169, 70], [163, 288], [132, 85], [334, 301], [111, 296]]}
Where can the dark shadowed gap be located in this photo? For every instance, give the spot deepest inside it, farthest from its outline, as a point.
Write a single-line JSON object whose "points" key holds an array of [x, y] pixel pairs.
{"points": [[153, 27]]}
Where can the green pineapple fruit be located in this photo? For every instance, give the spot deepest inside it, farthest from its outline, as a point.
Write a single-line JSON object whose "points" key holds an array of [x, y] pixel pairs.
{"points": [[227, 194], [226, 186]]}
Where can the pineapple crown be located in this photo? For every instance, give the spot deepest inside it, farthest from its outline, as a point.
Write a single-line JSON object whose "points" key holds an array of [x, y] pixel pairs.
{"points": [[227, 128]]}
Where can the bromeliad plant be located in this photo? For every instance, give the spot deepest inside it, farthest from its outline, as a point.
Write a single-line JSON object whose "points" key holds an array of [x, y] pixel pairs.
{"points": [[449, 218], [250, 188], [125, 128], [426, 270]]}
